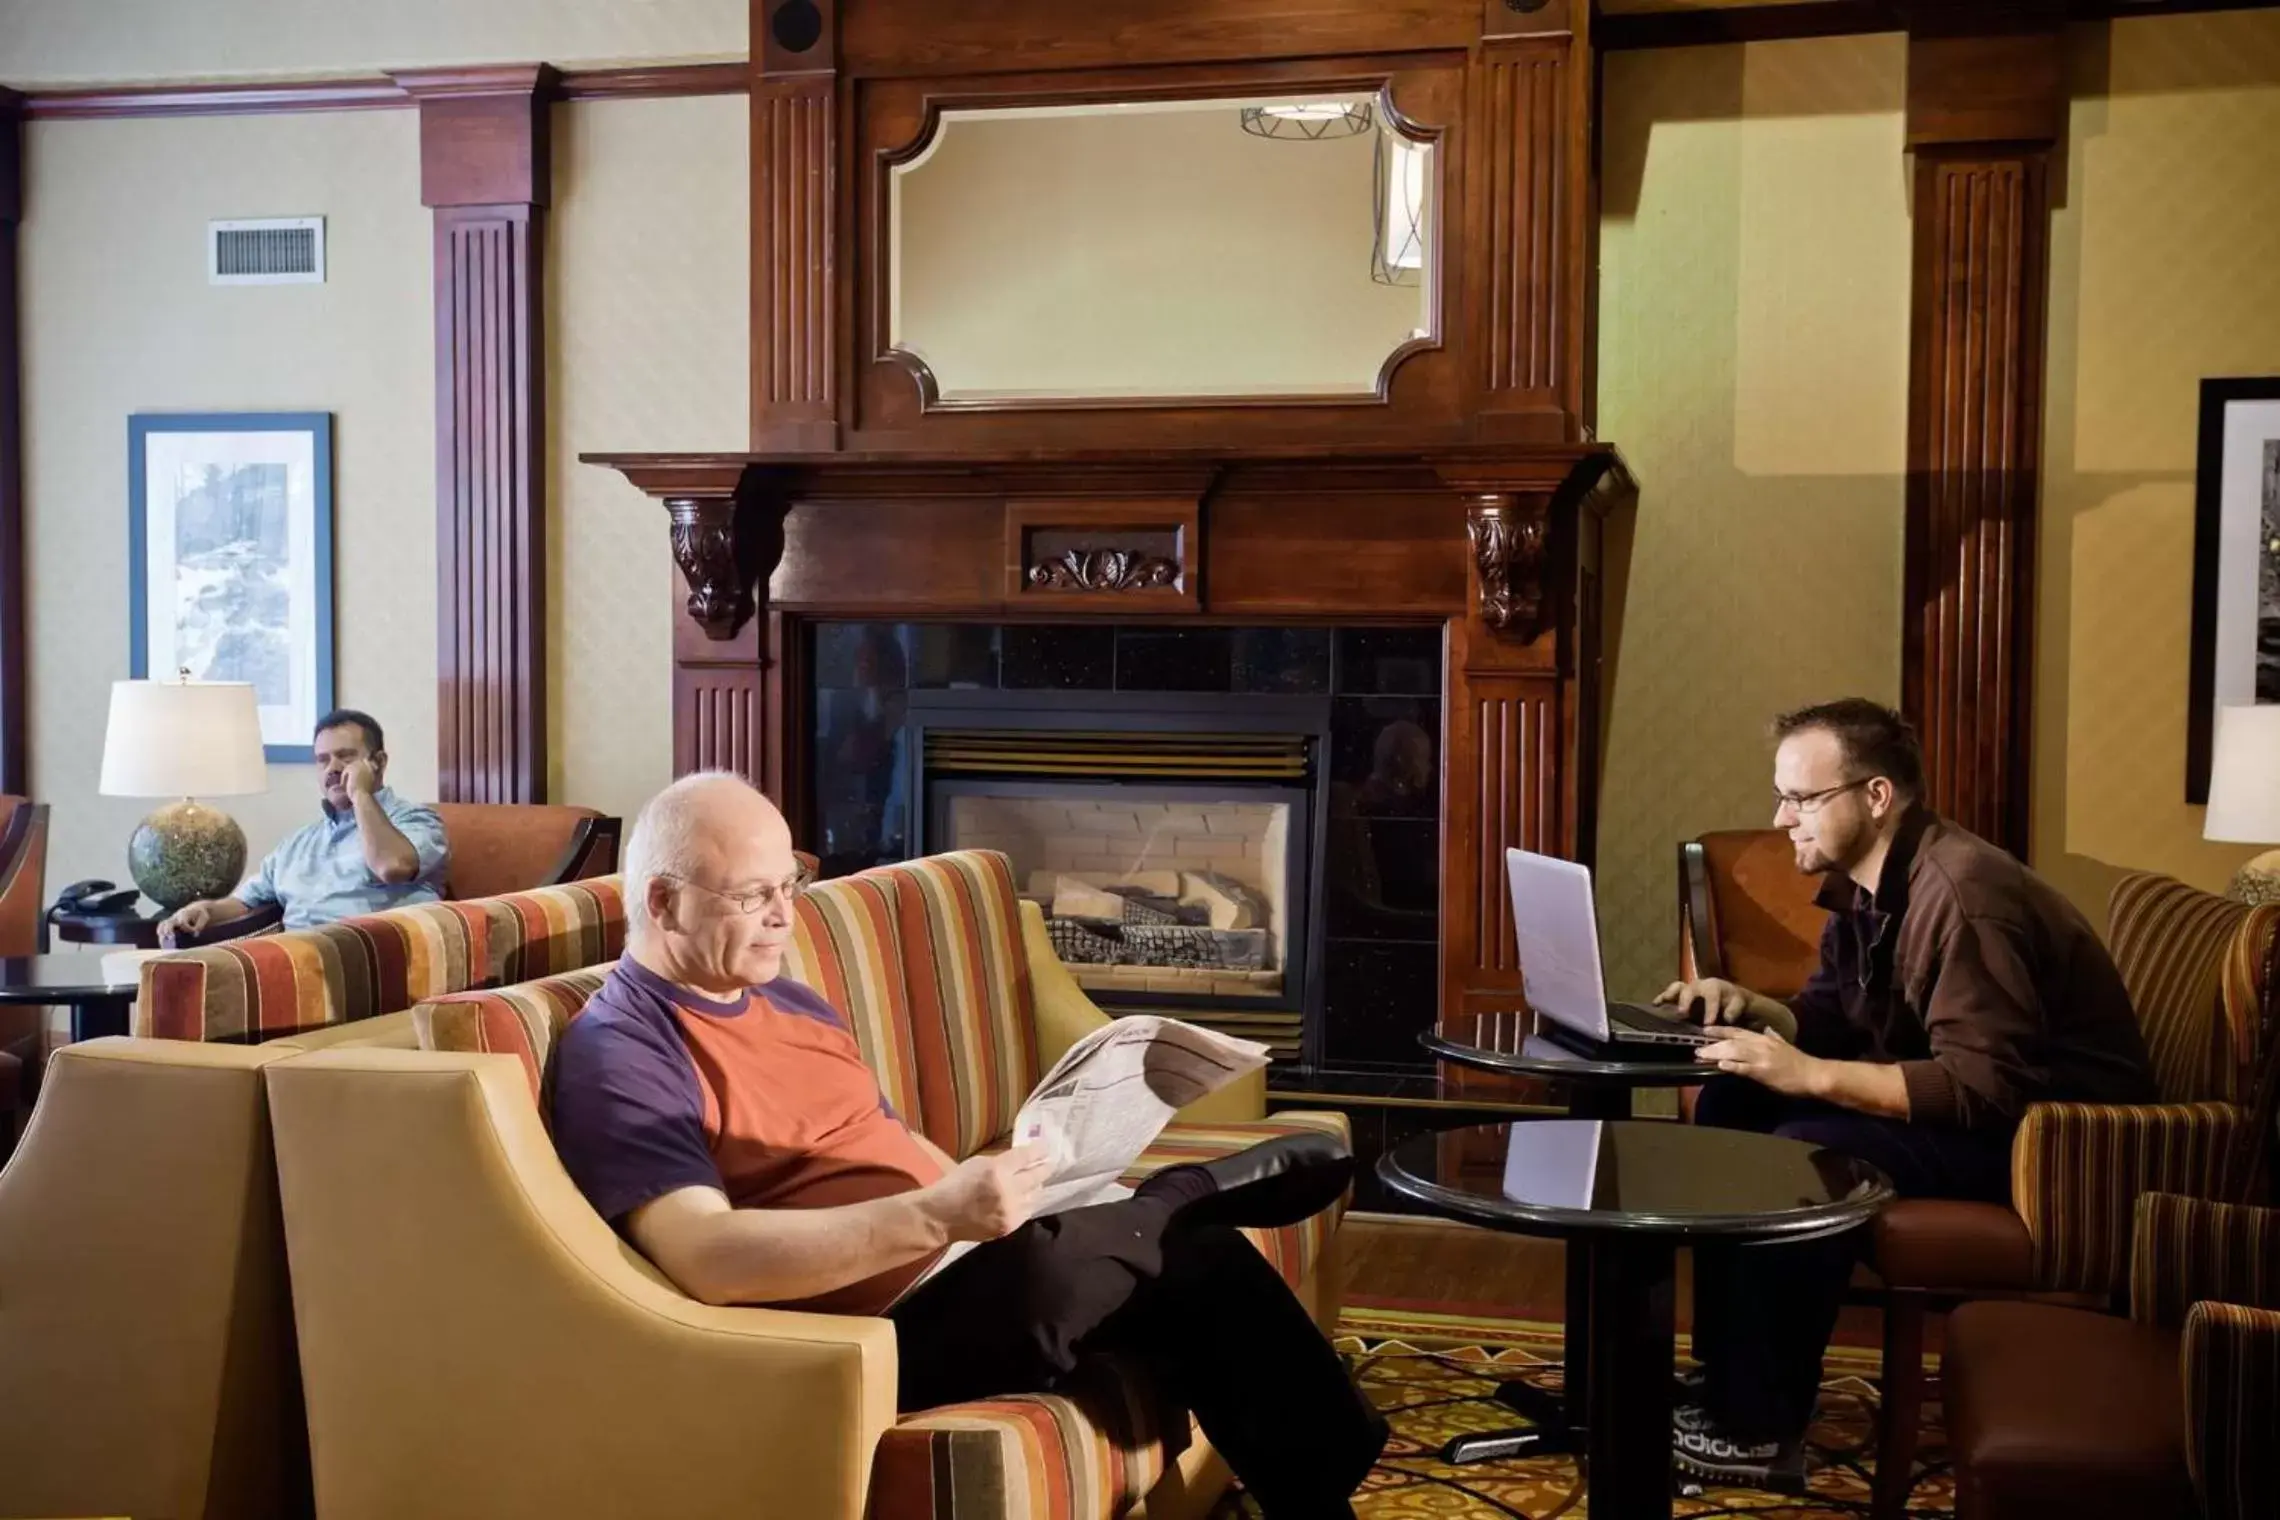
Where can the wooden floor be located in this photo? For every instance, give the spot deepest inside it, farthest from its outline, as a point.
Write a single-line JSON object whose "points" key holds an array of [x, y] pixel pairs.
{"points": [[1396, 1260]]}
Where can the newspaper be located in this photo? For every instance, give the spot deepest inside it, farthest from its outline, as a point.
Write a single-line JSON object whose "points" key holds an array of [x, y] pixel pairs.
{"points": [[1112, 1093], [1107, 1099]]}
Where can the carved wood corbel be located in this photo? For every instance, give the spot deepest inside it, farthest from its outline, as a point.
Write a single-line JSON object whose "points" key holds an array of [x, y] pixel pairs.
{"points": [[1511, 536], [727, 547], [704, 546]]}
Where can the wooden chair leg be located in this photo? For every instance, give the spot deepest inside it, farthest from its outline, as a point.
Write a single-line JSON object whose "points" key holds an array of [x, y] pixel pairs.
{"points": [[1902, 1411]]}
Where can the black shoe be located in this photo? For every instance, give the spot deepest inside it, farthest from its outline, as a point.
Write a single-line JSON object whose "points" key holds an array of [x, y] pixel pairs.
{"points": [[1688, 1387], [1275, 1183], [1704, 1452]]}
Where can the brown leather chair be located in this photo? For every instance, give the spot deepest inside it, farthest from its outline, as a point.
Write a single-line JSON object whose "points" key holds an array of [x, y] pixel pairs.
{"points": [[1746, 913], [23, 931], [2169, 1412], [496, 848], [2199, 972]]}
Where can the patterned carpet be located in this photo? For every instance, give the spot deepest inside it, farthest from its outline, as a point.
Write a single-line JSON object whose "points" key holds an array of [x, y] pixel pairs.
{"points": [[1433, 1375]]}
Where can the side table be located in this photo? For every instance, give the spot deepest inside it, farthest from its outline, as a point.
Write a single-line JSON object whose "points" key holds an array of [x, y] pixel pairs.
{"points": [[130, 929], [1636, 1192]]}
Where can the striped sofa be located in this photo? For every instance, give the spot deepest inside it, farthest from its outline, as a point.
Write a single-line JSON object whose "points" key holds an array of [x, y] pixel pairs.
{"points": [[305, 980], [602, 1390]]}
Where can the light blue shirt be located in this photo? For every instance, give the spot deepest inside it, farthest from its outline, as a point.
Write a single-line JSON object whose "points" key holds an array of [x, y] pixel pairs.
{"points": [[318, 874]]}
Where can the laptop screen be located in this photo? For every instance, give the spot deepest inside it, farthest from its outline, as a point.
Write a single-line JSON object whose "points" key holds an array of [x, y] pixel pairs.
{"points": [[1557, 935]]}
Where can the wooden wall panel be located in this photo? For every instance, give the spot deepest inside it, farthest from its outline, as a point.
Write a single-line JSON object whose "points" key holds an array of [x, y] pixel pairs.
{"points": [[794, 260], [15, 739], [1522, 131], [1504, 784], [1981, 260], [484, 170]]}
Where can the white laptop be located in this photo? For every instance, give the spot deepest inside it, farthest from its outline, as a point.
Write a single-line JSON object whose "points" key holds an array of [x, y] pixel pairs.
{"points": [[1556, 926]]}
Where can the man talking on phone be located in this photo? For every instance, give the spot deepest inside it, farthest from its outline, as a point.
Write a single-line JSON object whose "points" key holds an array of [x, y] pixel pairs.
{"points": [[1955, 988]]}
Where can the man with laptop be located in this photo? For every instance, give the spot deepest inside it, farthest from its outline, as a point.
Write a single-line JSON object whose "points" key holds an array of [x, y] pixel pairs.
{"points": [[1955, 988]]}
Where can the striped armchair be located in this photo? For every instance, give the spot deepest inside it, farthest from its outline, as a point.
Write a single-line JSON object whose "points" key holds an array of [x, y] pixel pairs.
{"points": [[2197, 968], [501, 1307], [2056, 1411]]}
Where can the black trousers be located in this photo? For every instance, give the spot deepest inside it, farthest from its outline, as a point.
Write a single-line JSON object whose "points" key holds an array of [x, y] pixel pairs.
{"points": [[1199, 1309], [1763, 1314]]}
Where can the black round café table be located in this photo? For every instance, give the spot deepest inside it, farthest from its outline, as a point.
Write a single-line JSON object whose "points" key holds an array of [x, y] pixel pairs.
{"points": [[1633, 1192], [1595, 1082], [98, 1002]]}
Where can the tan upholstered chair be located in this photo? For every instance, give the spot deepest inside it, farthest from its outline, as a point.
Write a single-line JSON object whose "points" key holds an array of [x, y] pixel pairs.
{"points": [[2199, 970], [146, 1346], [514, 1356], [23, 931]]}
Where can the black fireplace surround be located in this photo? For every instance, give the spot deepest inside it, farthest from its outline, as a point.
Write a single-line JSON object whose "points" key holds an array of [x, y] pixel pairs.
{"points": [[1360, 709]]}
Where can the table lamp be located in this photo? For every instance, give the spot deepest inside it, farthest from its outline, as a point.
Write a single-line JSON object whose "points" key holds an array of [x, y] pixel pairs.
{"points": [[2244, 795], [184, 739]]}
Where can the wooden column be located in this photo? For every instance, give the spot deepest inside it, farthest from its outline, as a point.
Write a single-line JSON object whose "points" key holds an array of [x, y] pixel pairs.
{"points": [[1530, 182], [484, 169], [1984, 114], [15, 739], [795, 188], [1520, 763]]}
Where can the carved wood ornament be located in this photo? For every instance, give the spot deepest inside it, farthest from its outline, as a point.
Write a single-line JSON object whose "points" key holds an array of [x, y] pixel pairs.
{"points": [[704, 546], [1104, 570], [1509, 538]]}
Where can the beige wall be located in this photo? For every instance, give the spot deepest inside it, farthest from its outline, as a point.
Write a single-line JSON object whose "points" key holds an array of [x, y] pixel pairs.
{"points": [[1151, 253], [2165, 270], [1753, 369], [48, 42], [118, 318], [647, 349]]}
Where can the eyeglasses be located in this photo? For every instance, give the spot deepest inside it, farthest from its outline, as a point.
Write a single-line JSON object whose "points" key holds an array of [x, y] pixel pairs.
{"points": [[1813, 802], [754, 899]]}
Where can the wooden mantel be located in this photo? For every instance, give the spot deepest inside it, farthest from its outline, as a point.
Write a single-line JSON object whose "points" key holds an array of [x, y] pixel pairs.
{"points": [[1499, 547]]}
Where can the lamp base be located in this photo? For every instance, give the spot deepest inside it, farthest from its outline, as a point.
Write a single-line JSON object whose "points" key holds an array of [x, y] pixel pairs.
{"points": [[184, 852], [2257, 882]]}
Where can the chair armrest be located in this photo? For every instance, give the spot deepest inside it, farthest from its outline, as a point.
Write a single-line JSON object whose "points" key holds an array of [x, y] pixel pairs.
{"points": [[476, 1340], [2077, 1170], [2231, 1367], [1065, 1015], [2185, 1250], [260, 921]]}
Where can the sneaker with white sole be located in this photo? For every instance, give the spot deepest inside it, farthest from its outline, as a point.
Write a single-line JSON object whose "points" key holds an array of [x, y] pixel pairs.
{"points": [[1701, 1450]]}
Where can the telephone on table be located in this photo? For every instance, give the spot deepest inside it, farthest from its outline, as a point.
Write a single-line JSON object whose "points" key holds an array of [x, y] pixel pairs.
{"points": [[95, 898]]}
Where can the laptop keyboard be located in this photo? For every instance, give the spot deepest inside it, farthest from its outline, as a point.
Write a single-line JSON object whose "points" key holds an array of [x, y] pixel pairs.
{"points": [[1637, 1022]]}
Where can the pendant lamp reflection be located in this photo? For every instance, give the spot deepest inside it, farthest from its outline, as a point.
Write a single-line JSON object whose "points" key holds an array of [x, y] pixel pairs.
{"points": [[1399, 257], [1309, 120]]}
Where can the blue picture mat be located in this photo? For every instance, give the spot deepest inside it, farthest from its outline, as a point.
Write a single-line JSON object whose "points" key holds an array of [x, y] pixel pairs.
{"points": [[318, 425]]}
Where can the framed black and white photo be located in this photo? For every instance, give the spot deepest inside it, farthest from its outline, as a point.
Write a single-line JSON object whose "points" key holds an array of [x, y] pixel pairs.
{"points": [[2236, 562], [230, 572]]}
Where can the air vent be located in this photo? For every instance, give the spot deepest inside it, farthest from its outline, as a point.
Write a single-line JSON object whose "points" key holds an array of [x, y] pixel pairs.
{"points": [[1203, 757], [287, 250]]}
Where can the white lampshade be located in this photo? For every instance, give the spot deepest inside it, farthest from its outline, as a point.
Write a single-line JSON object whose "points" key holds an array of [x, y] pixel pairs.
{"points": [[183, 739], [2244, 776]]}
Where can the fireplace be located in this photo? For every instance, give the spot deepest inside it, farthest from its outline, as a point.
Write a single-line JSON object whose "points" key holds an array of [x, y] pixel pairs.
{"points": [[1238, 826]]}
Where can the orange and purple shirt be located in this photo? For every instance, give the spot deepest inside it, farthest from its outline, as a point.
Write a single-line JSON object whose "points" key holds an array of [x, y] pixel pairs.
{"points": [[765, 1098]]}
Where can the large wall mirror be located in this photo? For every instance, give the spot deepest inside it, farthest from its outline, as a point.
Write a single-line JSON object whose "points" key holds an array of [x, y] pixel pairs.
{"points": [[1266, 247]]}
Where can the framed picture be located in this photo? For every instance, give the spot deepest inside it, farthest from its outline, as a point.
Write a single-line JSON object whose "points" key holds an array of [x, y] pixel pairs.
{"points": [[230, 572], [2236, 562]]}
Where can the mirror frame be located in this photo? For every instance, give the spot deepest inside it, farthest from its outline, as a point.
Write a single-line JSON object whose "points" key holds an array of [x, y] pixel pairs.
{"points": [[931, 399]]}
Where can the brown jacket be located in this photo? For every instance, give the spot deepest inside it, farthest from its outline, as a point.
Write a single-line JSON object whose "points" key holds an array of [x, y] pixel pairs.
{"points": [[1986, 986]]}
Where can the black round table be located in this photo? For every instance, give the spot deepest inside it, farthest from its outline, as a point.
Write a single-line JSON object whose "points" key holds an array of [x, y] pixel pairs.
{"points": [[98, 1003], [1630, 1193], [1595, 1085], [107, 928]]}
